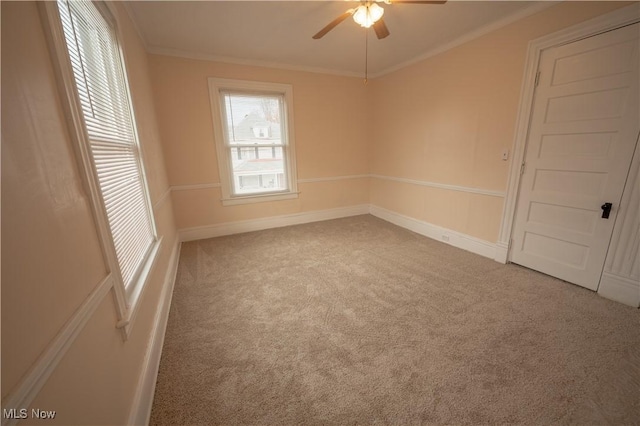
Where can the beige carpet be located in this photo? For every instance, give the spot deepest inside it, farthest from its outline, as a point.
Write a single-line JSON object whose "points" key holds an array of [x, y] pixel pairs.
{"points": [[357, 321]]}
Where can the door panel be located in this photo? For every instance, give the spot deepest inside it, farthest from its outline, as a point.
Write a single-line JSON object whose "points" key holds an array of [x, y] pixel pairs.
{"points": [[605, 60], [583, 132]]}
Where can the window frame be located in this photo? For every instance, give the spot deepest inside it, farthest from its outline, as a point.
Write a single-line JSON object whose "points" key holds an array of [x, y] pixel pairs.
{"points": [[224, 153], [126, 298]]}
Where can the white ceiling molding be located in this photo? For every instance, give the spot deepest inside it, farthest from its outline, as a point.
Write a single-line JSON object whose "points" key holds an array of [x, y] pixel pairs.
{"points": [[533, 9], [132, 18], [163, 32], [155, 50]]}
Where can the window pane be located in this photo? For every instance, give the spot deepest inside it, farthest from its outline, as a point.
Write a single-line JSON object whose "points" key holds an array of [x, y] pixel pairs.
{"points": [[252, 119], [99, 76], [255, 152], [258, 169]]}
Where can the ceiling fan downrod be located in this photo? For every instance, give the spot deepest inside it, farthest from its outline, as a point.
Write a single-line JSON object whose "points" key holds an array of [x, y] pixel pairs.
{"points": [[366, 56]]}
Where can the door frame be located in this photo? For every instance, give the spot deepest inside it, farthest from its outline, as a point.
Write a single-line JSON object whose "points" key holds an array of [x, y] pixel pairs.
{"points": [[610, 21]]}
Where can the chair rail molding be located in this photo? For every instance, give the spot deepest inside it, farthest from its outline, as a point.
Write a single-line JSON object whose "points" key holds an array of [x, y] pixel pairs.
{"points": [[27, 389], [333, 178], [459, 188]]}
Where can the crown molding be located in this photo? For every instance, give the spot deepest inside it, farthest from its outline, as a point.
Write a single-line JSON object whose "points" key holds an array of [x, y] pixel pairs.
{"points": [[134, 22], [185, 54], [533, 9], [178, 53]]}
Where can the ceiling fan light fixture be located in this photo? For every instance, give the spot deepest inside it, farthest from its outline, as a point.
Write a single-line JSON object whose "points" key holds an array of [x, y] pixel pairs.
{"points": [[367, 15]]}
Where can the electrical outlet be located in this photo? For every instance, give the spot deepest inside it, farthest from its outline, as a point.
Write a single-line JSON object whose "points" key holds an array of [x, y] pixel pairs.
{"points": [[505, 155]]}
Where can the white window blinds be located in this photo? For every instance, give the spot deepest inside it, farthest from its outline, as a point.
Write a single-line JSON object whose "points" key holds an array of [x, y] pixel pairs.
{"points": [[99, 76]]}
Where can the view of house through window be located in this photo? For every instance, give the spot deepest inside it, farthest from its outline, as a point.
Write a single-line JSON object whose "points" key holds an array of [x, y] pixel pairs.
{"points": [[256, 142]]}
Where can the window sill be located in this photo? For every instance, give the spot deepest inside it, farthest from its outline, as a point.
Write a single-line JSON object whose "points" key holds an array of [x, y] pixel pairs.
{"points": [[259, 198]]}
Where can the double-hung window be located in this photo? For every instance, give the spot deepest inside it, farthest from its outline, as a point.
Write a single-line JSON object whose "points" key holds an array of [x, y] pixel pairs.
{"points": [[94, 77], [254, 139]]}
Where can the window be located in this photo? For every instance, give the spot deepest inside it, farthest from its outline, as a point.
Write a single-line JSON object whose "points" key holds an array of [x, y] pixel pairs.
{"points": [[254, 139], [92, 69]]}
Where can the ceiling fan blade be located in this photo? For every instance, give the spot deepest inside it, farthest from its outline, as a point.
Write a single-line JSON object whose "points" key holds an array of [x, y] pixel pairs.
{"points": [[333, 24], [381, 29], [419, 2]]}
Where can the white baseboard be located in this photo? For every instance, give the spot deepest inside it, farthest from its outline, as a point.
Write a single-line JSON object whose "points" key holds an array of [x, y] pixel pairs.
{"points": [[456, 239], [448, 236], [143, 400], [229, 228], [502, 252], [620, 289]]}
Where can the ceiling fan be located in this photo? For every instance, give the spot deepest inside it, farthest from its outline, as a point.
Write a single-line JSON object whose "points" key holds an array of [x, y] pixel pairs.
{"points": [[369, 14]]}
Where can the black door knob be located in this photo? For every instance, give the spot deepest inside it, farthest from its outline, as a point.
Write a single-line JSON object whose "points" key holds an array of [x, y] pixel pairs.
{"points": [[606, 209]]}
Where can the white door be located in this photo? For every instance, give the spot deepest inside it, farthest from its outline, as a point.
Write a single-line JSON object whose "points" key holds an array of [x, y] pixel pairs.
{"points": [[583, 132]]}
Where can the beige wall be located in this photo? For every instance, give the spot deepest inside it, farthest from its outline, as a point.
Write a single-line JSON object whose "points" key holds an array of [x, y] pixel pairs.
{"points": [[51, 255], [330, 137], [443, 120], [448, 118]]}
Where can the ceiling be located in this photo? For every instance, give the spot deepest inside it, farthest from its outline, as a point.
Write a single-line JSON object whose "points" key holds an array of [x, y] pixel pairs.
{"points": [[278, 33]]}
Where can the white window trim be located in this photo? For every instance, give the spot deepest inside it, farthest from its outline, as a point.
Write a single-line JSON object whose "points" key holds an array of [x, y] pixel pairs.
{"points": [[126, 299], [228, 199]]}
